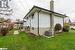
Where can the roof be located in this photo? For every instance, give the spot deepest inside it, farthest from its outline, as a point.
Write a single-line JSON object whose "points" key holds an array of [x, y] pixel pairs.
{"points": [[36, 8]]}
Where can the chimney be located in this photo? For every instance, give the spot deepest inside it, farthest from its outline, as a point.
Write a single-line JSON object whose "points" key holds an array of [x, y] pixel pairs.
{"points": [[52, 5]]}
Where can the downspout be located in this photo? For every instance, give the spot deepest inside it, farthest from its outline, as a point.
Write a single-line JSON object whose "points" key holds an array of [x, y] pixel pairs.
{"points": [[38, 22], [30, 25], [63, 21]]}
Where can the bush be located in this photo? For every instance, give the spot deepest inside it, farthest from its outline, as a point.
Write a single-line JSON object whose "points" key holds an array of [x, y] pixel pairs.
{"points": [[66, 27], [10, 28], [47, 33], [4, 31], [57, 27], [72, 28]]}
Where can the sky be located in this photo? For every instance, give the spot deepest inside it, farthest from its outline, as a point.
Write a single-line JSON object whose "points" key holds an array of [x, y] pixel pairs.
{"points": [[22, 7]]}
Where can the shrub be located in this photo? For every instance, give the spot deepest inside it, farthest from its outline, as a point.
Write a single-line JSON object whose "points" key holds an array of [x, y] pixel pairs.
{"points": [[47, 33], [57, 27], [4, 31], [72, 28], [66, 27], [10, 28]]}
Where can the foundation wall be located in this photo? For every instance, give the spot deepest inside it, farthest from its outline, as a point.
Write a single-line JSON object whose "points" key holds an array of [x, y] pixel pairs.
{"points": [[41, 31], [34, 31]]}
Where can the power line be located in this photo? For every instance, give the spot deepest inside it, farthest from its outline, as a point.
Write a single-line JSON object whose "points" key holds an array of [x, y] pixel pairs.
{"points": [[27, 4], [22, 12], [17, 9], [23, 4]]}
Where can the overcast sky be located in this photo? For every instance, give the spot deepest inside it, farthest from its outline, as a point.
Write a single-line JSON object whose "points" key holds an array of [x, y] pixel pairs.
{"points": [[21, 7]]}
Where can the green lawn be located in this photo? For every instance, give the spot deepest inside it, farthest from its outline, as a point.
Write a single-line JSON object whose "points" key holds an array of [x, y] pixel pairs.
{"points": [[64, 41]]}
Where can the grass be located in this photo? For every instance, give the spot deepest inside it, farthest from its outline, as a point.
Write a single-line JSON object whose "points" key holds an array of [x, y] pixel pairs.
{"points": [[64, 41]]}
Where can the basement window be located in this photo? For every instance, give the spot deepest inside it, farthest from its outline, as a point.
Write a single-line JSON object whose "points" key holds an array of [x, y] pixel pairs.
{"points": [[27, 18], [32, 28]]}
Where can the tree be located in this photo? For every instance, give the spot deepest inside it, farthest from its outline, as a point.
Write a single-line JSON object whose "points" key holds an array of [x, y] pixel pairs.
{"points": [[66, 27]]}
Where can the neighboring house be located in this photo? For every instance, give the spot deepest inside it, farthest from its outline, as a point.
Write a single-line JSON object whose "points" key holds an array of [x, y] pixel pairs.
{"points": [[18, 24], [72, 25], [40, 20]]}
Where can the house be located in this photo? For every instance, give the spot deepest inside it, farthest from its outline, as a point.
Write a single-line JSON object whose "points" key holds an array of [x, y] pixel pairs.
{"points": [[18, 24], [40, 21], [72, 24]]}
